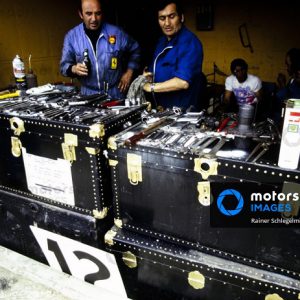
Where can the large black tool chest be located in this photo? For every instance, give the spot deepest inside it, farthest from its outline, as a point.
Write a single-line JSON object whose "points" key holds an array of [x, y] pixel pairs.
{"points": [[54, 150], [153, 268], [170, 190], [18, 213]]}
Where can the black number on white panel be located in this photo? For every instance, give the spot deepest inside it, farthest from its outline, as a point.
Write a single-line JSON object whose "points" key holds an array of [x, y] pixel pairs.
{"points": [[102, 273], [53, 246]]}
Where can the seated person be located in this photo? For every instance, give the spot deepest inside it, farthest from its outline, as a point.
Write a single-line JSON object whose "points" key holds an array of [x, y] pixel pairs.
{"points": [[246, 88]]}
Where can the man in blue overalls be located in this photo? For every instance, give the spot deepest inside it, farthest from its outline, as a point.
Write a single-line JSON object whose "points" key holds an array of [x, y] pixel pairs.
{"points": [[113, 54], [177, 65]]}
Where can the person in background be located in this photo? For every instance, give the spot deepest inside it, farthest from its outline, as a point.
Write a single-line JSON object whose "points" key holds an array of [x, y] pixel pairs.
{"points": [[113, 54], [242, 87], [292, 88], [176, 70]]}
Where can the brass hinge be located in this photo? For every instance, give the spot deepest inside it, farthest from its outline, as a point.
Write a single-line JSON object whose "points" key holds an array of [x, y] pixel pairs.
{"points": [[129, 259], [134, 168], [97, 131], [203, 188], [17, 125], [113, 162], [196, 280], [92, 151], [111, 143], [118, 223], [16, 147], [68, 147], [109, 237], [206, 167], [100, 214]]}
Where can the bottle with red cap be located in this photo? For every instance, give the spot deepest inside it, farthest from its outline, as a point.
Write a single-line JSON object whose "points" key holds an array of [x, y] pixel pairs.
{"points": [[19, 73]]}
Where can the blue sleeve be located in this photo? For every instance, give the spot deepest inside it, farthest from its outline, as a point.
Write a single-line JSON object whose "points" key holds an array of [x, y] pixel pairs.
{"points": [[190, 57], [68, 57], [133, 51]]}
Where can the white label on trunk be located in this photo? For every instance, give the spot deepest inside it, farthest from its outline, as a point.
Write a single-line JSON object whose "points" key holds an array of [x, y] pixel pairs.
{"points": [[49, 178]]}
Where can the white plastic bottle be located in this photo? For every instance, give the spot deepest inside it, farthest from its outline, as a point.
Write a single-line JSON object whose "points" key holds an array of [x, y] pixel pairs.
{"points": [[290, 143], [19, 73]]}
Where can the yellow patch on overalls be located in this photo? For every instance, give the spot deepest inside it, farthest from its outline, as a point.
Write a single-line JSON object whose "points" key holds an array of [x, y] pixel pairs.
{"points": [[114, 63]]}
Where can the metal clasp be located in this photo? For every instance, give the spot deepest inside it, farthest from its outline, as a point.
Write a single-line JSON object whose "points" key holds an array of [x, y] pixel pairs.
{"points": [[134, 168], [68, 147], [97, 131], [203, 188], [16, 147], [206, 167], [17, 125]]}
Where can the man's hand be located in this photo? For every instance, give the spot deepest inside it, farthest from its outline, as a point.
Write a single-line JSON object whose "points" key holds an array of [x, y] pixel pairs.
{"points": [[148, 75], [125, 80], [80, 69]]}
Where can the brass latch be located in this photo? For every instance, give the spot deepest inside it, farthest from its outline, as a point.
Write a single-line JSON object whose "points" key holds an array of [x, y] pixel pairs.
{"points": [[196, 280], [109, 237], [129, 259], [118, 223], [16, 147], [203, 188], [134, 168], [206, 167], [17, 125], [97, 131], [111, 144], [92, 151], [68, 147], [100, 214], [112, 162]]}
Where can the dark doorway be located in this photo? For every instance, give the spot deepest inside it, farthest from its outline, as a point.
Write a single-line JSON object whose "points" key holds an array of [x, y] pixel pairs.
{"points": [[139, 19]]}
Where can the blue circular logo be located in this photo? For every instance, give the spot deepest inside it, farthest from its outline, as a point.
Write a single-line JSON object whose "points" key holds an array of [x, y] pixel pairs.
{"points": [[230, 212]]}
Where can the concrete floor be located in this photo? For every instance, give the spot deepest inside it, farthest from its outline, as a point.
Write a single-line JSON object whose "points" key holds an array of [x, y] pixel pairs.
{"points": [[22, 278]]}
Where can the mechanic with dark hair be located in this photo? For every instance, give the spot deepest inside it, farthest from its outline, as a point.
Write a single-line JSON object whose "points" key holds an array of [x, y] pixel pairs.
{"points": [[113, 54], [292, 88], [245, 88], [176, 70]]}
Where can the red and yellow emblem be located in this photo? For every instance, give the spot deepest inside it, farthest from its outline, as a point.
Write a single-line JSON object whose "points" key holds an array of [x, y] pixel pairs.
{"points": [[112, 39]]}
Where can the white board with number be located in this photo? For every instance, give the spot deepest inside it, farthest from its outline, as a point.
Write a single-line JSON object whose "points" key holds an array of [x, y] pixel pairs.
{"points": [[82, 261]]}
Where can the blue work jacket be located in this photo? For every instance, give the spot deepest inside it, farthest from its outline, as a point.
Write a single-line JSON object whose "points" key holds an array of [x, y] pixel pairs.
{"points": [[180, 57], [115, 52]]}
